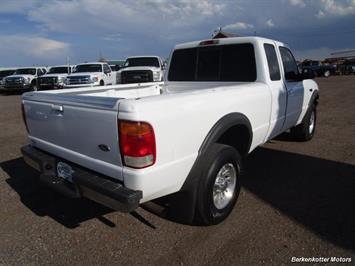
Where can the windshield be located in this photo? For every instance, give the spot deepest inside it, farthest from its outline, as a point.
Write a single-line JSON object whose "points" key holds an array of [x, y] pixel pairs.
{"points": [[59, 70], [5, 73], [142, 61], [88, 68], [26, 71]]}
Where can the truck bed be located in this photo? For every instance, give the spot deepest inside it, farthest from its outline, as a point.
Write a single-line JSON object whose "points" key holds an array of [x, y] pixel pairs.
{"points": [[72, 124]]}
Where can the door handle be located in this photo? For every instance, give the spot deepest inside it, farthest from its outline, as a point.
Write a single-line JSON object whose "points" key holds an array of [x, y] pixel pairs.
{"points": [[57, 108]]}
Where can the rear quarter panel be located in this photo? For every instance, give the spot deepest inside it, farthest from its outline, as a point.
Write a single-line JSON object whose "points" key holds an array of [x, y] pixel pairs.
{"points": [[181, 122]]}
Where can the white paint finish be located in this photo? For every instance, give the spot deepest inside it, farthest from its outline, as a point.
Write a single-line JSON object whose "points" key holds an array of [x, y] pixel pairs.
{"points": [[182, 114]]}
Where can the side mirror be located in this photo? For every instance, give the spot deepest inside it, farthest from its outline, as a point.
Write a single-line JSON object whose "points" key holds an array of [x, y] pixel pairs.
{"points": [[307, 73]]}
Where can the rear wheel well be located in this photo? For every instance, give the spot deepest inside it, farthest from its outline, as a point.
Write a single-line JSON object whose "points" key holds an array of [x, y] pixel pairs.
{"points": [[237, 136]]}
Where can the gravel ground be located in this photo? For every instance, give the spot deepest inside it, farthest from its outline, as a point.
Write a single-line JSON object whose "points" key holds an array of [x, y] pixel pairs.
{"points": [[297, 200]]}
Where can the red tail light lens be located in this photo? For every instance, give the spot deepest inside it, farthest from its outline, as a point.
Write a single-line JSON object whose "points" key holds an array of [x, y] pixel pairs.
{"points": [[24, 116], [137, 144]]}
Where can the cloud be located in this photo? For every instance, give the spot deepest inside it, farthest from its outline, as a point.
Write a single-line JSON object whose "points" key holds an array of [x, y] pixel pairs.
{"points": [[270, 23], [18, 6], [112, 37], [108, 16], [32, 47], [299, 3], [320, 14], [336, 8], [238, 26]]}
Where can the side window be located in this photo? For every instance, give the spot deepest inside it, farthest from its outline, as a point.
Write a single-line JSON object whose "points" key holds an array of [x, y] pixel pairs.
{"points": [[289, 63], [272, 62], [107, 69]]}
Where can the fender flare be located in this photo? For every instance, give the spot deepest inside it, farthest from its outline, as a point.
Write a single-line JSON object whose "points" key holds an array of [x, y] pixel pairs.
{"points": [[222, 125], [314, 98], [183, 202]]}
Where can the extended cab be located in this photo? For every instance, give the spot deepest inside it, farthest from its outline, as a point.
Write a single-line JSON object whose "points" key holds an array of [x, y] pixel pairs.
{"points": [[139, 69], [24, 79], [128, 144], [55, 78], [90, 74]]}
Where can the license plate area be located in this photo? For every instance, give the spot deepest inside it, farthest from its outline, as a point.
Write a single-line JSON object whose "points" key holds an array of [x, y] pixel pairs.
{"points": [[65, 171]]}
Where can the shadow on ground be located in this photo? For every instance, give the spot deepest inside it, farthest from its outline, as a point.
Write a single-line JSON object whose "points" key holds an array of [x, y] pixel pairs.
{"points": [[46, 202], [317, 193]]}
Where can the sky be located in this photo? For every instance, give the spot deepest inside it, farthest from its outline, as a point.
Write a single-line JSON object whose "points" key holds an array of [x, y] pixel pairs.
{"points": [[37, 32]]}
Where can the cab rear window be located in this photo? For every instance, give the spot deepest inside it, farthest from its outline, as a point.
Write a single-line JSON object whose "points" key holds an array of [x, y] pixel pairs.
{"points": [[234, 62]]}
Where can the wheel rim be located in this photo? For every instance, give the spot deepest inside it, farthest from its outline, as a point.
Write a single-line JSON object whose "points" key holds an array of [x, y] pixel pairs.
{"points": [[327, 73], [224, 186], [311, 123]]}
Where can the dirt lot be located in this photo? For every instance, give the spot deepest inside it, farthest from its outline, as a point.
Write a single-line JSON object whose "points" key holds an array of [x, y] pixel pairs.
{"points": [[298, 199]]}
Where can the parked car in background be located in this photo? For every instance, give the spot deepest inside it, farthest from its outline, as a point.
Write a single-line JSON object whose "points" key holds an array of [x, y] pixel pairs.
{"points": [[24, 79], [90, 74], [319, 69], [116, 65], [4, 73], [347, 68], [139, 69], [54, 78], [129, 144]]}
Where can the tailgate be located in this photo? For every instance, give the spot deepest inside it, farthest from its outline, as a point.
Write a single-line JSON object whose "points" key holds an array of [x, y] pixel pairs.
{"points": [[80, 129]]}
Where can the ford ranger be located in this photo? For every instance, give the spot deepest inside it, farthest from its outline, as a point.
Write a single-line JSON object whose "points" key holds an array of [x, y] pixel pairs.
{"points": [[138, 69], [90, 74], [128, 144]]}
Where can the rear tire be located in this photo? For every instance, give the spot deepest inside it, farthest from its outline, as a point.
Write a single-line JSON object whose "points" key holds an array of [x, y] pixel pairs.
{"points": [[305, 130], [219, 184]]}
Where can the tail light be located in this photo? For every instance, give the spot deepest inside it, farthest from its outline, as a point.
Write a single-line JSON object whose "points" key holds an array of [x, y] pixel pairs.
{"points": [[137, 144], [24, 116]]}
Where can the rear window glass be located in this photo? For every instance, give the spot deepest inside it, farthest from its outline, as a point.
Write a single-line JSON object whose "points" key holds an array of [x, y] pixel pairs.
{"points": [[183, 65], [234, 62]]}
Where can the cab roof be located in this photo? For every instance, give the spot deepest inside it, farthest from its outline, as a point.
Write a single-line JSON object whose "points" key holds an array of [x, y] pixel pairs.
{"points": [[229, 40]]}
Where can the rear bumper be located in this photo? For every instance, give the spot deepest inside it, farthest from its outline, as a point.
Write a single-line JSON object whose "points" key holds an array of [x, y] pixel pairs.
{"points": [[85, 183]]}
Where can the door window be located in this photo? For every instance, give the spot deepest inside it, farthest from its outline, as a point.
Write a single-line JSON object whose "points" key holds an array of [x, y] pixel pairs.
{"points": [[272, 62], [289, 64]]}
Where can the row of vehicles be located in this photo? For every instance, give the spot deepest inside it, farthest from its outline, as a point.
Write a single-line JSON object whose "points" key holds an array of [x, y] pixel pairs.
{"points": [[137, 69], [319, 69]]}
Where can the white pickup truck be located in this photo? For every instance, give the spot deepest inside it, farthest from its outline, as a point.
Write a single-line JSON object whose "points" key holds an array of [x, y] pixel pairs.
{"points": [[128, 144], [24, 79], [139, 69], [55, 77], [90, 74]]}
